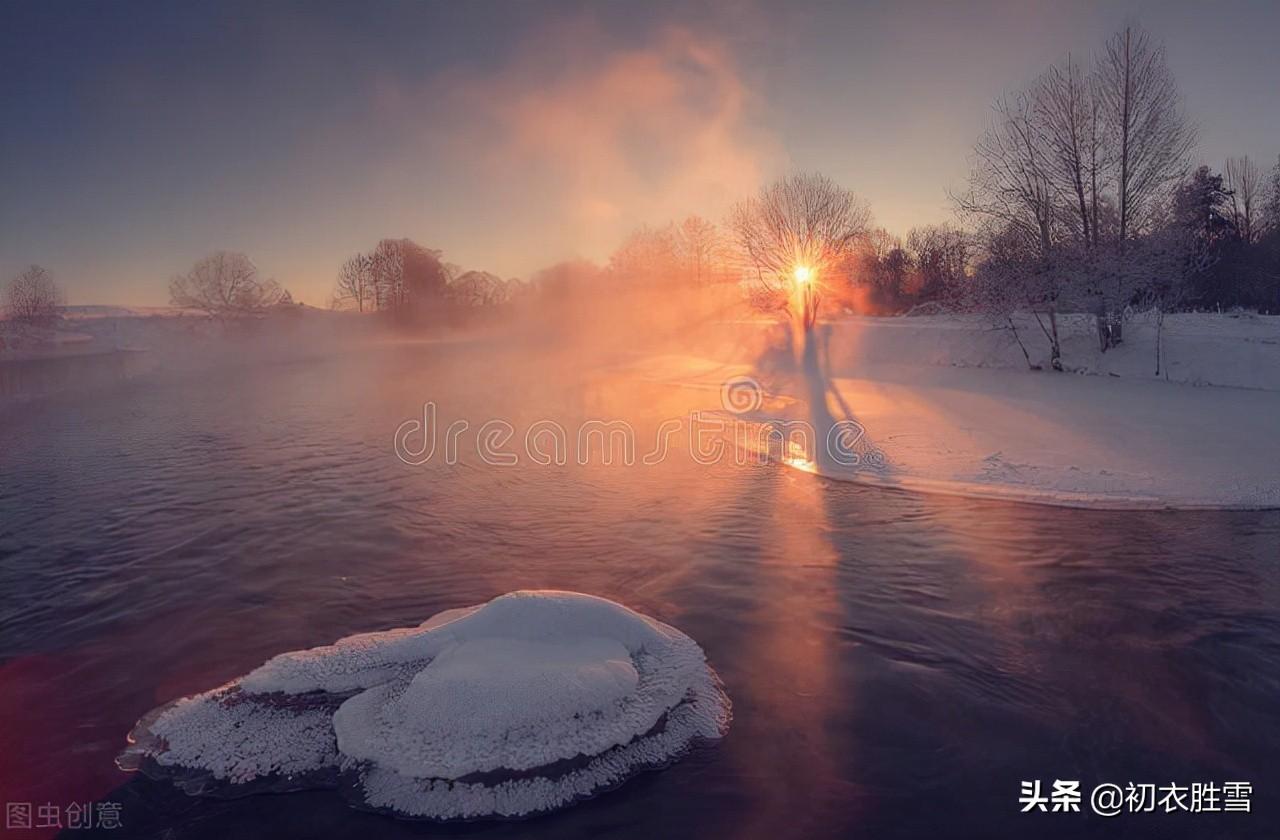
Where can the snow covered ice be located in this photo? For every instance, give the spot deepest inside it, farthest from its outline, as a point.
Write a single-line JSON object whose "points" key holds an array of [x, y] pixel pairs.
{"points": [[518, 706]]}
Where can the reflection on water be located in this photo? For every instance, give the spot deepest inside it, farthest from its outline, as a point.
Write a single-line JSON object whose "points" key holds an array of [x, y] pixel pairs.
{"points": [[898, 663]]}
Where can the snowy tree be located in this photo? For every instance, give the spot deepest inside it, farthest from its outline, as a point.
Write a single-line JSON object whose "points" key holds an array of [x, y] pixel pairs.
{"points": [[998, 287], [1163, 265], [224, 284], [1014, 276], [32, 297], [1080, 163]]}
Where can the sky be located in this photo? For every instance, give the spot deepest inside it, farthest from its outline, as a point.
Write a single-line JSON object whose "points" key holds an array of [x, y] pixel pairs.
{"points": [[137, 137]]}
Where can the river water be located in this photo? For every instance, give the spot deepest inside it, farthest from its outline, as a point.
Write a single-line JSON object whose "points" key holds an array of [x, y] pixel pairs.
{"points": [[898, 663]]}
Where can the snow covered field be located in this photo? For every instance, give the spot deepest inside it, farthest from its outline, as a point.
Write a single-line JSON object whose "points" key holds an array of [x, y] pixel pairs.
{"points": [[952, 407], [1238, 350]]}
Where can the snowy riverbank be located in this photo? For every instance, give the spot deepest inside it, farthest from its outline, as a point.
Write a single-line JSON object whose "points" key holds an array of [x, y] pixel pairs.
{"points": [[96, 346], [993, 430], [1239, 350]]}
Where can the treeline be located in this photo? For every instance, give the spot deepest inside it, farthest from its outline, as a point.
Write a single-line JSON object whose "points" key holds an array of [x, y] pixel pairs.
{"points": [[409, 281], [1081, 199], [32, 297], [404, 280]]}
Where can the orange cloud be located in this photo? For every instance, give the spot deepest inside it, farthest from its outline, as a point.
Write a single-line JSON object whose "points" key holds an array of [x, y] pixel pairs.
{"points": [[608, 139]]}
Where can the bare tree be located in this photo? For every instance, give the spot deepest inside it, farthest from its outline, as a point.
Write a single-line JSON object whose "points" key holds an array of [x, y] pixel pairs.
{"points": [[355, 285], [693, 253], [224, 284], [941, 255], [387, 267], [1069, 120], [798, 227], [1244, 182], [479, 289], [648, 255], [701, 247], [1150, 136], [1010, 183], [32, 297], [997, 287]]}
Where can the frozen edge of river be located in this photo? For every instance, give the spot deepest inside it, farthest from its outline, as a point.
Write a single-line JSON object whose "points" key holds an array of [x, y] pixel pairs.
{"points": [[1068, 441]]}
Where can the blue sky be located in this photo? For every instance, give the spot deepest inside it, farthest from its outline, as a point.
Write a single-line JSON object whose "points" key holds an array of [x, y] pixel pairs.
{"points": [[139, 136]]}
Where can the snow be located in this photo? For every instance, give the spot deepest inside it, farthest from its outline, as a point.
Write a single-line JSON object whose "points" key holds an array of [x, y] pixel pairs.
{"points": [[1240, 350], [521, 705], [239, 740], [565, 696], [1004, 432]]}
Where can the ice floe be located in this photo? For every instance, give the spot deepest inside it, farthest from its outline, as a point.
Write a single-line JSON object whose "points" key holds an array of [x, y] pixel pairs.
{"points": [[518, 706]]}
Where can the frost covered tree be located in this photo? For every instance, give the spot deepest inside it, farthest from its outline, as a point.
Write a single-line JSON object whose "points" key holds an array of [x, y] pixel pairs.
{"points": [[224, 284], [32, 297], [1079, 164], [999, 286]]}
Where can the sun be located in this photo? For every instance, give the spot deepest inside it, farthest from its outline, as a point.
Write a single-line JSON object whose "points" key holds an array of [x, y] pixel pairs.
{"points": [[803, 274]]}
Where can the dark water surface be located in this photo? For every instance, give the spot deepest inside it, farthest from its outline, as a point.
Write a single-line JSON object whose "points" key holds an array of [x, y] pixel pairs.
{"points": [[898, 663]]}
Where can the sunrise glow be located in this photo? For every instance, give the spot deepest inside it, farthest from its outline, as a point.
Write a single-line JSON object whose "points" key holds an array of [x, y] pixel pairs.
{"points": [[727, 418]]}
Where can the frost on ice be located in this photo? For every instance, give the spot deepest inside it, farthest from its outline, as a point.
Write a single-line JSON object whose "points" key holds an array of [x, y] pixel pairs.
{"points": [[521, 705]]}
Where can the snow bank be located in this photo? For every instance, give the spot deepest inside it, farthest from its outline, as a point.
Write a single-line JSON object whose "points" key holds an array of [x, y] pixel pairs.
{"points": [[947, 404], [1239, 350], [1043, 437], [522, 705]]}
